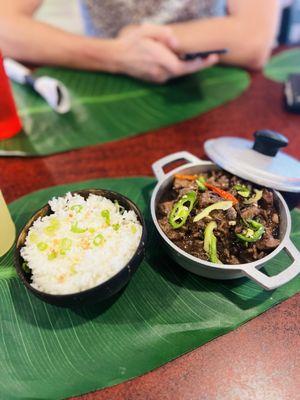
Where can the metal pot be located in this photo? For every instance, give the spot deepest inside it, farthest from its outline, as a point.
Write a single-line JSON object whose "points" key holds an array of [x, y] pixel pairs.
{"points": [[223, 271]]}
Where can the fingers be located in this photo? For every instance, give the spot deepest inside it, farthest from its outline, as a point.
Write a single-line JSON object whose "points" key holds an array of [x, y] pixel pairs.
{"points": [[163, 34], [176, 67], [170, 66], [190, 67]]}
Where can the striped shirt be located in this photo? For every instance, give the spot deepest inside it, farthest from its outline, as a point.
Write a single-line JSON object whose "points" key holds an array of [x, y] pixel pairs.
{"points": [[105, 18]]}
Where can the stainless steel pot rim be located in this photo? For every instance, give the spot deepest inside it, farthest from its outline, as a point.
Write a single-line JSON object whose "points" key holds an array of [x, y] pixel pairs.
{"points": [[226, 267]]}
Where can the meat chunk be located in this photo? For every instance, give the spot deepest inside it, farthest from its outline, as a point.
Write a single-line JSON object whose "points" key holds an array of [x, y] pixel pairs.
{"points": [[268, 242], [275, 218], [231, 214], [219, 180], [250, 212], [179, 184], [267, 198], [165, 207], [207, 198], [233, 260], [173, 234]]}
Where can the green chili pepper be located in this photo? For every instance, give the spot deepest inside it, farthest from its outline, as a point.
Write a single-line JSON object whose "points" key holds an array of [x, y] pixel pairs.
{"points": [[77, 208], [181, 210], [210, 242], [255, 198], [213, 255], [99, 240], [106, 215], [76, 229], [242, 190], [220, 205], [252, 235], [208, 232], [200, 182]]}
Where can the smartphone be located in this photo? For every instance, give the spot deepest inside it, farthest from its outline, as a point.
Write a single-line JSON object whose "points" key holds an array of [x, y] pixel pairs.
{"points": [[292, 93], [202, 54]]}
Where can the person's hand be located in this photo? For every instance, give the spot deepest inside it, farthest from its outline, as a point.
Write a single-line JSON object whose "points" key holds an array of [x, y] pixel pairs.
{"points": [[149, 52]]}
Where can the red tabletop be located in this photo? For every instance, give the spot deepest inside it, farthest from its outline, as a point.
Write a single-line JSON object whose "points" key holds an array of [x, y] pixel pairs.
{"points": [[260, 360]]}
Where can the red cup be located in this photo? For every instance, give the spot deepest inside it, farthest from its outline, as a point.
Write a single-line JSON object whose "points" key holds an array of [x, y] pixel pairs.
{"points": [[10, 123]]}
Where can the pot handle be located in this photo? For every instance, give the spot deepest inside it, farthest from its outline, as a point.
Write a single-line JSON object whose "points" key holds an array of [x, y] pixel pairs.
{"points": [[158, 166], [273, 282]]}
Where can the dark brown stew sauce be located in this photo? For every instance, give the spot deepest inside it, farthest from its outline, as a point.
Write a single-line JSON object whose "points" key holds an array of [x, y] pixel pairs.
{"points": [[233, 221]]}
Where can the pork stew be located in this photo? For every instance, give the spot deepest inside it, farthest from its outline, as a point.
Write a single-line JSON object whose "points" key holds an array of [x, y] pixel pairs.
{"points": [[219, 217]]}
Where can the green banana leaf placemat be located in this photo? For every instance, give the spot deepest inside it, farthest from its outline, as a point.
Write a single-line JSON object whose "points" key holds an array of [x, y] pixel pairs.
{"points": [[52, 353], [107, 108], [285, 63]]}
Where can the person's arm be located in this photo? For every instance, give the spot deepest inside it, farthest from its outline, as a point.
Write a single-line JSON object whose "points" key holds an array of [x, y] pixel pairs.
{"points": [[248, 32], [148, 54], [25, 39]]}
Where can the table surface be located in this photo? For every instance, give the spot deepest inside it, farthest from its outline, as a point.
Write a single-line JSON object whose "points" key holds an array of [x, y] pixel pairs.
{"points": [[260, 360]]}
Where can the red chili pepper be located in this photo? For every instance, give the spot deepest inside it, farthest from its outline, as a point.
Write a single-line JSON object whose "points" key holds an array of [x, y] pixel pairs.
{"points": [[222, 193]]}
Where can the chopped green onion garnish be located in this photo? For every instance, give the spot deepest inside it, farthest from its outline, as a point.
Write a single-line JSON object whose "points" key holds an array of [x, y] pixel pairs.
{"points": [[42, 246], [65, 245], [33, 237], [116, 227], [53, 227], [99, 240], [106, 215], [75, 228], [77, 208], [133, 229], [52, 255]]}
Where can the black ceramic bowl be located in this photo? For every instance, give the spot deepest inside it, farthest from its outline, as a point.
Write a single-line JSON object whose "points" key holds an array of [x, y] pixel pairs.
{"points": [[104, 290]]}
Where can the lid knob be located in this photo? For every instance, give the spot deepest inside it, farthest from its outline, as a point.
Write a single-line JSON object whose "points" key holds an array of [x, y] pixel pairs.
{"points": [[269, 142]]}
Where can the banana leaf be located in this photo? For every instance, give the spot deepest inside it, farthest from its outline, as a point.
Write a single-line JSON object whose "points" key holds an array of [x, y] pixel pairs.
{"points": [[283, 64], [52, 353], [109, 107]]}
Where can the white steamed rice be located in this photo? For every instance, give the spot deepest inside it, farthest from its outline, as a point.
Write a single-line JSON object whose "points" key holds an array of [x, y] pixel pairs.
{"points": [[82, 244]]}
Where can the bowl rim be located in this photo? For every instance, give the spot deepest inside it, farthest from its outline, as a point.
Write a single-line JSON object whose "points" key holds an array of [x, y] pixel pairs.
{"points": [[204, 263], [83, 293]]}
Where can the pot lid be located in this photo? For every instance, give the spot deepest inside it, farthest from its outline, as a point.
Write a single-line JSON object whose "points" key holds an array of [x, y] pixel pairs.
{"points": [[260, 162]]}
